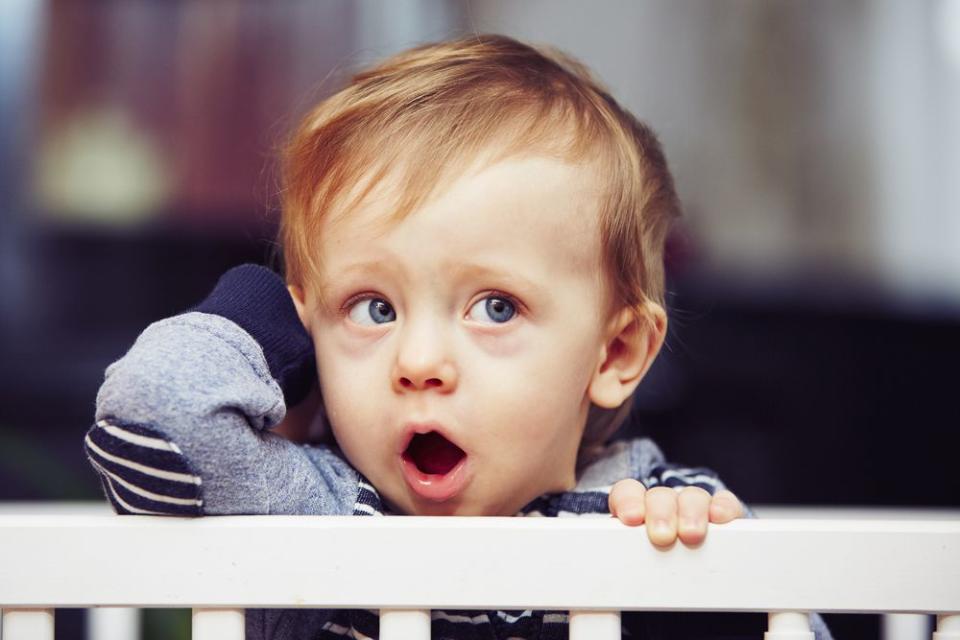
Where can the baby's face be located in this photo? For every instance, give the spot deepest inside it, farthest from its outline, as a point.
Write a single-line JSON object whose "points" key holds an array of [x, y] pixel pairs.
{"points": [[455, 347]]}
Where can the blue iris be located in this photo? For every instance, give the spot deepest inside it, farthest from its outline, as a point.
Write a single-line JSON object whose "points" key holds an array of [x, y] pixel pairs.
{"points": [[499, 309], [381, 311]]}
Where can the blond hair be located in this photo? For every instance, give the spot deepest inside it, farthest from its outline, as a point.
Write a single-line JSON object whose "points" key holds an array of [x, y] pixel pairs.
{"points": [[425, 114]]}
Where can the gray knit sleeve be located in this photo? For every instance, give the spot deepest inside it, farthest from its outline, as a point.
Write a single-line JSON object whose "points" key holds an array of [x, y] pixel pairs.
{"points": [[182, 428]]}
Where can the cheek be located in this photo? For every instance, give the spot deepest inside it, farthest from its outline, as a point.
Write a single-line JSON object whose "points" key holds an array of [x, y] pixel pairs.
{"points": [[554, 365], [348, 384], [336, 401], [352, 411], [540, 387], [502, 345]]}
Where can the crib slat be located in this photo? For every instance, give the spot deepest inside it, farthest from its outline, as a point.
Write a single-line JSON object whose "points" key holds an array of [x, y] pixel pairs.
{"points": [[594, 625], [948, 627], [905, 626], [26, 624], [789, 625], [113, 623], [404, 624], [218, 624]]}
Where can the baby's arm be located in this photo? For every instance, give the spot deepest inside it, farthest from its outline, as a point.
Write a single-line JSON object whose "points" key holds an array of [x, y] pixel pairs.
{"points": [[184, 418]]}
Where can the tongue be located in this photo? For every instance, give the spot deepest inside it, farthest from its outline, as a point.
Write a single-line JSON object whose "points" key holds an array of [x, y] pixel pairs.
{"points": [[434, 454]]}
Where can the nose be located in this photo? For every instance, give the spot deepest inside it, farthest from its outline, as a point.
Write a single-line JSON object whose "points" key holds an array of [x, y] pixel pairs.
{"points": [[424, 360]]}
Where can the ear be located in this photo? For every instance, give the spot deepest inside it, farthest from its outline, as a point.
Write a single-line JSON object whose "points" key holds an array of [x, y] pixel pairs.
{"points": [[631, 343], [300, 302]]}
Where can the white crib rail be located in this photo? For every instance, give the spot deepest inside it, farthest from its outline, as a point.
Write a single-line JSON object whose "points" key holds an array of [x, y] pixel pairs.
{"points": [[593, 567]]}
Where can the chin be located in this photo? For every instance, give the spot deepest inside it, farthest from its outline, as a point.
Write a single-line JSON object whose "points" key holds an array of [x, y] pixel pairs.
{"points": [[448, 508], [454, 508]]}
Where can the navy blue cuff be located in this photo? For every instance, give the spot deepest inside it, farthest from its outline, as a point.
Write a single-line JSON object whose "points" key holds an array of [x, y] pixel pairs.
{"points": [[256, 299]]}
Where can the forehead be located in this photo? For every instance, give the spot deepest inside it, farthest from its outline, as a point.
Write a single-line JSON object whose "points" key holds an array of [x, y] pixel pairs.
{"points": [[537, 204]]}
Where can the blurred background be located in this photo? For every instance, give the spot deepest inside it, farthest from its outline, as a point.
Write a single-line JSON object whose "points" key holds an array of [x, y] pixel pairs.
{"points": [[814, 286]]}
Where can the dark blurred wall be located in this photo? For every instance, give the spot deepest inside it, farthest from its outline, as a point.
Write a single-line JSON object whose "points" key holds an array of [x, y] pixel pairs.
{"points": [[139, 168]]}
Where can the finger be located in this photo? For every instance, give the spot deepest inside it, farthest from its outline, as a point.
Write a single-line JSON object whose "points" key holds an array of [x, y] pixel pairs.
{"points": [[693, 506], [626, 502], [662, 516], [724, 507]]}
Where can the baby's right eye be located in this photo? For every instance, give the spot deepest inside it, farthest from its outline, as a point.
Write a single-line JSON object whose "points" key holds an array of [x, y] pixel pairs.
{"points": [[371, 311]]}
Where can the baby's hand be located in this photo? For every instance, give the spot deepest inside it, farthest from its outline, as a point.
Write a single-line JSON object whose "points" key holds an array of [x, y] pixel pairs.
{"points": [[670, 513]]}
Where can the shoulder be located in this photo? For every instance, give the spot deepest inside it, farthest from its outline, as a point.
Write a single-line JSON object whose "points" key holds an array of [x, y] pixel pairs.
{"points": [[635, 458], [641, 459], [598, 471]]}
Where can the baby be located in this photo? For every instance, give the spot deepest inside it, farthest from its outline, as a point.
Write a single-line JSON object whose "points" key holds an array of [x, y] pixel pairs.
{"points": [[473, 233]]}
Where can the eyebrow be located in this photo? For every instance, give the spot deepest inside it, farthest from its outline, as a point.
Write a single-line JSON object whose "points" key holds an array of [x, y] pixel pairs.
{"points": [[363, 267], [461, 271], [471, 270], [330, 280]]}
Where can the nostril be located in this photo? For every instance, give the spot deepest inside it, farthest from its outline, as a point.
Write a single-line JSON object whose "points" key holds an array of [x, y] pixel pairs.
{"points": [[407, 383]]}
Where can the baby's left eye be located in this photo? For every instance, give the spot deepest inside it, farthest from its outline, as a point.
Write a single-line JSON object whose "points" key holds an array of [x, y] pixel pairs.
{"points": [[496, 309]]}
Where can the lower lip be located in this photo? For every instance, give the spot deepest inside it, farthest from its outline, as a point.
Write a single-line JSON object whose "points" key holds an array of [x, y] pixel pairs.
{"points": [[433, 486]]}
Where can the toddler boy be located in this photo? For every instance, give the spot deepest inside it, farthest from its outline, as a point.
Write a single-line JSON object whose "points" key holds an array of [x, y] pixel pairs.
{"points": [[473, 234]]}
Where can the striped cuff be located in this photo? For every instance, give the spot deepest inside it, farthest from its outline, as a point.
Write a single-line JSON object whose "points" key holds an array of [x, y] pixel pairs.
{"points": [[141, 471], [679, 477]]}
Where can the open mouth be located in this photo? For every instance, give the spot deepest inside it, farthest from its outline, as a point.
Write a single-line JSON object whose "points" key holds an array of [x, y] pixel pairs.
{"points": [[432, 454]]}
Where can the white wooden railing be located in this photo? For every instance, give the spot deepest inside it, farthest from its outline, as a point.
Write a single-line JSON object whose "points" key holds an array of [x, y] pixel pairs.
{"points": [[593, 567]]}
